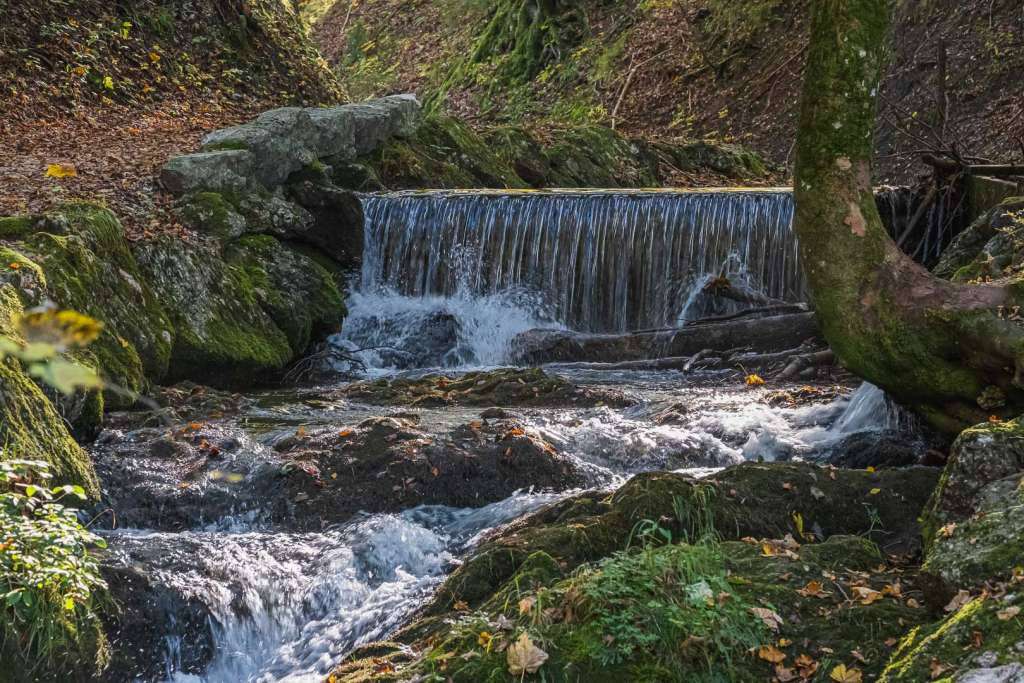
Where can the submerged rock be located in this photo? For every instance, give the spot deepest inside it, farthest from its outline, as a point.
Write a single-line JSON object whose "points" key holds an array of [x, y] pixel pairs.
{"points": [[507, 387]]}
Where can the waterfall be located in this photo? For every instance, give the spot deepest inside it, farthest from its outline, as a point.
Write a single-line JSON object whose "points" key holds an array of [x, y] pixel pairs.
{"points": [[589, 260]]}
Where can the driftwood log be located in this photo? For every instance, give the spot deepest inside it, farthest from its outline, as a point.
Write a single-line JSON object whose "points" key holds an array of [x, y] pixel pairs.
{"points": [[765, 335]]}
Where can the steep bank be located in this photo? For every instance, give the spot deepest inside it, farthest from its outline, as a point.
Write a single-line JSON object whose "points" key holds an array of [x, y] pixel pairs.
{"points": [[697, 69]]}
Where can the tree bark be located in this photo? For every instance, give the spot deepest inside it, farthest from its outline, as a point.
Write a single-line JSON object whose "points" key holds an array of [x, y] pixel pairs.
{"points": [[941, 348]]}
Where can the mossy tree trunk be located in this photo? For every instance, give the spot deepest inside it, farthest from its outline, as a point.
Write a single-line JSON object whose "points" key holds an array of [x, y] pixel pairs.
{"points": [[953, 352]]}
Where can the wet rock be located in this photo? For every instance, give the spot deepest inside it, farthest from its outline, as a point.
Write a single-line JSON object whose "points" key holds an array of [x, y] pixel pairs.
{"points": [[145, 617], [388, 464], [864, 449], [992, 247], [510, 387], [337, 220]]}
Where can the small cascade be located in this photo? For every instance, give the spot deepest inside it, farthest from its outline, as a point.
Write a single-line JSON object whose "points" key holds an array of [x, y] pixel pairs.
{"points": [[589, 260]]}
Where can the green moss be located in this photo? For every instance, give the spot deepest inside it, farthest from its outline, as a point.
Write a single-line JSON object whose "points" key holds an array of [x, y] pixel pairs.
{"points": [[13, 227], [211, 213], [952, 644], [299, 293], [30, 427], [92, 270], [226, 145]]}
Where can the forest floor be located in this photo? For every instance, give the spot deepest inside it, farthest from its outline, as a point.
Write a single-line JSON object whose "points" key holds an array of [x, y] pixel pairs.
{"points": [[700, 69]]}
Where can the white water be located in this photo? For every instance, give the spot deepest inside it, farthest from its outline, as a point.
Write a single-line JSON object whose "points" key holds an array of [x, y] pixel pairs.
{"points": [[385, 330], [288, 606]]}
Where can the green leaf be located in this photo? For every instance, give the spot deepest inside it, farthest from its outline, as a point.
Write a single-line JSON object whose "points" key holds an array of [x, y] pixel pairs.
{"points": [[69, 604], [31, 490], [66, 377], [37, 351], [13, 598]]}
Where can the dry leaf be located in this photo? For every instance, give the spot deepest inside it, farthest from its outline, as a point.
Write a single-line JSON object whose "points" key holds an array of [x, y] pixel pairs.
{"points": [[912, 603], [958, 601], [755, 381], [524, 657], [770, 618], [813, 589], [866, 595], [947, 530], [1008, 613], [841, 674], [771, 654], [784, 674], [526, 604]]}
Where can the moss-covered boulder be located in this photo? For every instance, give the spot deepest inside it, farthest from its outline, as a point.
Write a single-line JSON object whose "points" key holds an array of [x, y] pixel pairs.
{"points": [[986, 547], [750, 500], [30, 427], [299, 289], [678, 612], [991, 248], [85, 264], [221, 333], [981, 642]]}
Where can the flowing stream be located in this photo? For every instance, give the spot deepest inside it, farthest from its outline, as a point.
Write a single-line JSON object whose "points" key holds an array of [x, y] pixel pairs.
{"points": [[449, 279]]}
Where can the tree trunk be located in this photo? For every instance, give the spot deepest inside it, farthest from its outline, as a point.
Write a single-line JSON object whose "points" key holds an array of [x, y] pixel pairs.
{"points": [[947, 350]]}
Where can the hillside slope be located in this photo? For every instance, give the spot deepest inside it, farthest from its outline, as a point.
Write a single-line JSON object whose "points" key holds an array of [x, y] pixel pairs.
{"points": [[109, 91], [713, 69]]}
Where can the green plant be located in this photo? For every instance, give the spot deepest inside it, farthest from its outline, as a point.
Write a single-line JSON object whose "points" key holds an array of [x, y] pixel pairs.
{"points": [[50, 582], [671, 602], [48, 334]]}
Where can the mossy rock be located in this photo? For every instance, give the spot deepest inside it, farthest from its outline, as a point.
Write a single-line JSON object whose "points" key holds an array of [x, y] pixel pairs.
{"points": [[990, 248], [88, 267], [988, 546], [30, 427], [982, 641], [617, 619], [221, 332], [750, 500], [301, 294]]}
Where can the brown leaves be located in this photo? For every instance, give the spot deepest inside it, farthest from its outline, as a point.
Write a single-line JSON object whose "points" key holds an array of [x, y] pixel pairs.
{"points": [[866, 595], [770, 653], [1008, 613], [958, 601], [813, 589], [61, 171], [526, 604], [524, 657]]}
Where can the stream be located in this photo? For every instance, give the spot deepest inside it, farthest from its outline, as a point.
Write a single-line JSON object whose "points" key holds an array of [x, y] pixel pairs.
{"points": [[449, 281]]}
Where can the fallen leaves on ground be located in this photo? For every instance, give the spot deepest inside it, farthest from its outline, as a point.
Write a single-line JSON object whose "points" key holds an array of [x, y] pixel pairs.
{"points": [[842, 674], [524, 657], [770, 618], [770, 653], [1008, 613], [813, 589], [958, 601]]}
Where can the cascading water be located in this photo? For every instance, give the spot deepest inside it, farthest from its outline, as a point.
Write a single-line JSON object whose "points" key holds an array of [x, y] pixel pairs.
{"points": [[464, 273], [449, 280]]}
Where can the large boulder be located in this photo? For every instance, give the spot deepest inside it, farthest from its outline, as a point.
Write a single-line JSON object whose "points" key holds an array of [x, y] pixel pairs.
{"points": [[221, 333], [992, 247], [279, 142], [974, 522], [219, 170]]}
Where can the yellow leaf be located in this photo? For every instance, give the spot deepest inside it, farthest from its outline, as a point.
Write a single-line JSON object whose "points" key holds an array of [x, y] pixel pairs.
{"points": [[14, 265], [60, 328], [871, 470], [81, 70], [866, 595], [813, 589], [771, 654], [755, 381], [61, 171], [841, 674], [874, 492], [154, 57], [524, 657], [108, 82], [485, 639]]}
